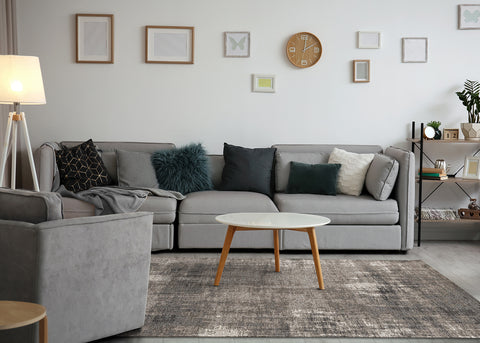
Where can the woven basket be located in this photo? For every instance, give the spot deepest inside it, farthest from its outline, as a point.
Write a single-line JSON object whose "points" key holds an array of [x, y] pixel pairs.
{"points": [[466, 213]]}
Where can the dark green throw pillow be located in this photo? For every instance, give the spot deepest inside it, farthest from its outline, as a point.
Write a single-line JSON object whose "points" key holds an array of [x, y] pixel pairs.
{"points": [[183, 170], [247, 169], [313, 178]]}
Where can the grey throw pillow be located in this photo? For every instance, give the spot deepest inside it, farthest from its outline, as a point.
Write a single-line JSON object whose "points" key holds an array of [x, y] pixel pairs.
{"points": [[381, 176], [134, 169]]}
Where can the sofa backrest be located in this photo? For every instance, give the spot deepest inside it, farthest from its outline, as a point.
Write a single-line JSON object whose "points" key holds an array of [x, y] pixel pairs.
{"points": [[107, 150], [216, 164], [28, 206], [311, 154]]}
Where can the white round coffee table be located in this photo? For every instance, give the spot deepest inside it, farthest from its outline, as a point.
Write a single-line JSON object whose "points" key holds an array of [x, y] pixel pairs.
{"points": [[275, 222]]}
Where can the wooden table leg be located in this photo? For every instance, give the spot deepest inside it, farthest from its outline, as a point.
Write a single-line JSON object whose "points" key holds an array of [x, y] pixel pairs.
{"points": [[276, 245], [316, 256], [225, 250], [43, 330]]}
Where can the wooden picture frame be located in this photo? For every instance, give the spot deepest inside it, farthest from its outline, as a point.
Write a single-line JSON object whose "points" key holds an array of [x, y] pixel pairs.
{"points": [[368, 40], [361, 71], [169, 44], [94, 38], [471, 168], [450, 134], [263, 83], [469, 17], [236, 44], [415, 50]]}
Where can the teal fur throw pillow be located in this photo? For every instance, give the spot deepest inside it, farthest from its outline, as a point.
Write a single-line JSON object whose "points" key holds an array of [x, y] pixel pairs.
{"points": [[183, 170], [313, 178]]}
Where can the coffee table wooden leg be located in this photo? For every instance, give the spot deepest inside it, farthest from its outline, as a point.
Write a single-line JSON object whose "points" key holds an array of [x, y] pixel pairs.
{"points": [[276, 244], [225, 250], [316, 256], [43, 330]]}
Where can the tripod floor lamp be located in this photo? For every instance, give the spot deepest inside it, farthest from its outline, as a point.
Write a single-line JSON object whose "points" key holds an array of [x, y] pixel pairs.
{"points": [[20, 83]]}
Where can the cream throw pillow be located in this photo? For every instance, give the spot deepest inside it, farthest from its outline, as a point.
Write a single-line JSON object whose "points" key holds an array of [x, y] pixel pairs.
{"points": [[351, 176]]}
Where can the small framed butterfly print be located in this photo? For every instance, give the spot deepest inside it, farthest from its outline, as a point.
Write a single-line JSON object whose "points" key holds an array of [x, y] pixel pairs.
{"points": [[237, 44], [469, 17]]}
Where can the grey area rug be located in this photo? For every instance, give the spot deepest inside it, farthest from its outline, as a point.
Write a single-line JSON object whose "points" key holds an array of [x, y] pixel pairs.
{"points": [[361, 299]]}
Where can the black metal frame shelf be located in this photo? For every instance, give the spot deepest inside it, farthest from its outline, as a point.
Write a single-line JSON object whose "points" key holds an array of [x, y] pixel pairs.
{"points": [[419, 144]]}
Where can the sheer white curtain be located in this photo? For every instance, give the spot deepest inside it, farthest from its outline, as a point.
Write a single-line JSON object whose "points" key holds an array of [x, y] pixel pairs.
{"points": [[8, 46]]}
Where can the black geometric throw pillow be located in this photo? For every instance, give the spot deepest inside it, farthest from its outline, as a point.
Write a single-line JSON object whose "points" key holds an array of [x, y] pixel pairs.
{"points": [[81, 167]]}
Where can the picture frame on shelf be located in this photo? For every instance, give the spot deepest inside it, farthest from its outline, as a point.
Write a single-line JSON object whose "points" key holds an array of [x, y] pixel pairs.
{"points": [[368, 40], [469, 17], [361, 71], [169, 44], [471, 168], [94, 38], [237, 44], [263, 83], [450, 134], [415, 50]]}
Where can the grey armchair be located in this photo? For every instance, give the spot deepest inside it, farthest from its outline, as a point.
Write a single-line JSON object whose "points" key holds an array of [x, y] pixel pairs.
{"points": [[90, 273]]}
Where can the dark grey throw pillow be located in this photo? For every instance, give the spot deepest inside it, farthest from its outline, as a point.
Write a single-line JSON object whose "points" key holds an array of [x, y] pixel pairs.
{"points": [[313, 178], [247, 169], [183, 170]]}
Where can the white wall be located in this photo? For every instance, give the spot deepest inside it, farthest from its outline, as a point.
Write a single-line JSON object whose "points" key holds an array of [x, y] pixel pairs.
{"points": [[211, 101]]}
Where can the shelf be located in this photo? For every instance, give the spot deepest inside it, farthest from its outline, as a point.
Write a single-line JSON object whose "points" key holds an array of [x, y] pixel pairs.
{"points": [[456, 221], [451, 180], [454, 141]]}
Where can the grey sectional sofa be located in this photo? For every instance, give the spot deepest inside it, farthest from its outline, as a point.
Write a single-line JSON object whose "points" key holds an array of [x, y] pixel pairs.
{"points": [[357, 222]]}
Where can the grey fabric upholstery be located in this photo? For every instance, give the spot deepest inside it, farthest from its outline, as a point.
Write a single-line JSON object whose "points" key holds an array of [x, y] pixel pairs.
{"points": [[341, 209], [404, 193], [199, 229], [41, 206], [164, 209], [216, 163], [90, 273], [135, 169], [381, 176]]}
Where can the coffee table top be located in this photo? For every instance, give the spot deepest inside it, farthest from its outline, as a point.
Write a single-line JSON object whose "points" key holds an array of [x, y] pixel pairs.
{"points": [[14, 314], [275, 220]]}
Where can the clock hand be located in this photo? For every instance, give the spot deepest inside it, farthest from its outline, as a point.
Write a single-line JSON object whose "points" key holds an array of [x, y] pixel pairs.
{"points": [[305, 49]]}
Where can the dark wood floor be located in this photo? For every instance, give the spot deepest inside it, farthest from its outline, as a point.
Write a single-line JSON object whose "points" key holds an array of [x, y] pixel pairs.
{"points": [[458, 261]]}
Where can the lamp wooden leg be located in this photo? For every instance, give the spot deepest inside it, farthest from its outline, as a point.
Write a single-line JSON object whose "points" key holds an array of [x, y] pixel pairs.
{"points": [[276, 245], [6, 140], [43, 330], [30, 154], [316, 256], [225, 250]]}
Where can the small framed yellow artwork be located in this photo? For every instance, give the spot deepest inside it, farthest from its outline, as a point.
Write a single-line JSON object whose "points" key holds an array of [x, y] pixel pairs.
{"points": [[263, 83]]}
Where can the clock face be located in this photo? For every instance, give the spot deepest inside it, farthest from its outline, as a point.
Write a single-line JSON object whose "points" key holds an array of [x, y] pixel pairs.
{"points": [[304, 49]]}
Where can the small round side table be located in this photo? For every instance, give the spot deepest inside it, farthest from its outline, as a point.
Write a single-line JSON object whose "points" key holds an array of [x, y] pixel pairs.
{"points": [[15, 314]]}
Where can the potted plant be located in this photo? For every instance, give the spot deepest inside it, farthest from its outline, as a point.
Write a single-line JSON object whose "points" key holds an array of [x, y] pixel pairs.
{"points": [[436, 124], [470, 98]]}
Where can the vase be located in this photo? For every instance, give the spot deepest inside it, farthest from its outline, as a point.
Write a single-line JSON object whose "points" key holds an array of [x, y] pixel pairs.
{"points": [[438, 134], [471, 131]]}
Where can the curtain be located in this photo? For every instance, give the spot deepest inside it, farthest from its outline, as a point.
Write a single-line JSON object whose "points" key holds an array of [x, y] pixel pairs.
{"points": [[8, 46]]}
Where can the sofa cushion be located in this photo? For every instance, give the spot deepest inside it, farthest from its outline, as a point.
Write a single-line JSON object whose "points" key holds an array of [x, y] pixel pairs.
{"points": [[81, 167], [163, 209], [351, 176], [282, 164], [74, 208], [134, 169], [28, 206], [184, 170], [247, 169], [203, 207], [341, 209], [313, 178], [381, 176]]}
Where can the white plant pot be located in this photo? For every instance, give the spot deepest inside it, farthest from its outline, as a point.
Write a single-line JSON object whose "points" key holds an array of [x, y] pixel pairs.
{"points": [[471, 131]]}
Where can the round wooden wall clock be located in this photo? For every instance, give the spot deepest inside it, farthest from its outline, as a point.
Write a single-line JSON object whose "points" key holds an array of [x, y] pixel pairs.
{"points": [[304, 49]]}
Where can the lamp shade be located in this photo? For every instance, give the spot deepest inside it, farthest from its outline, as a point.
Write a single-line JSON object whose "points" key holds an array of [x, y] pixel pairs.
{"points": [[21, 80]]}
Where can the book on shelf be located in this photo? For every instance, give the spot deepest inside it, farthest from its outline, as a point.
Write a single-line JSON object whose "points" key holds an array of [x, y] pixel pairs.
{"points": [[444, 177], [432, 170], [433, 174]]}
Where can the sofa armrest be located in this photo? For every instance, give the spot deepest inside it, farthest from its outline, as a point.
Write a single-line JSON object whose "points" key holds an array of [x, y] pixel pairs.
{"points": [[83, 270], [404, 193], [46, 166]]}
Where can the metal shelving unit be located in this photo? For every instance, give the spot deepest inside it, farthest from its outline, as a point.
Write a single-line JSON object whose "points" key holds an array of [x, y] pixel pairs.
{"points": [[419, 143]]}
